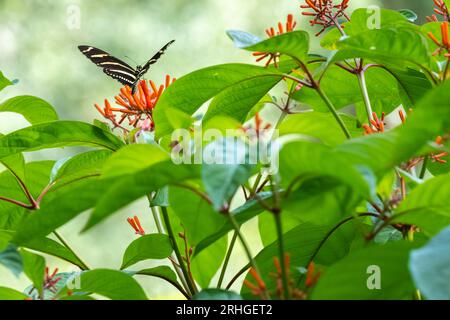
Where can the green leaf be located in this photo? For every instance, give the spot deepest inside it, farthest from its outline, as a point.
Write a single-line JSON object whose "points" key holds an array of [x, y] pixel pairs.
{"points": [[33, 109], [85, 164], [301, 159], [430, 267], [15, 164], [162, 272], [112, 284], [352, 277], [428, 205], [221, 180], [217, 294], [242, 214], [206, 264], [294, 44], [34, 268], [126, 189], [322, 126], [190, 92], [196, 215], [51, 247], [59, 207], [309, 238], [133, 158], [398, 46], [12, 260], [4, 82], [57, 134], [11, 294], [151, 246]]}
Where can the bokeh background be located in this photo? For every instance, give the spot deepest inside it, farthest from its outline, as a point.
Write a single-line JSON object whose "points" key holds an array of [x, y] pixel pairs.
{"points": [[38, 47]]}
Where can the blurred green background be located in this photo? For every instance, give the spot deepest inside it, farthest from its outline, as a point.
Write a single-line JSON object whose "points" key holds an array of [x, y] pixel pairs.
{"points": [[38, 46]]}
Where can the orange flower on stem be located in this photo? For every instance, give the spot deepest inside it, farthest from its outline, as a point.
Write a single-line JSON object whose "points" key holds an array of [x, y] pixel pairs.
{"points": [[136, 225], [259, 128], [444, 45], [260, 288], [441, 10], [311, 276], [289, 26], [137, 108], [325, 13], [377, 124]]}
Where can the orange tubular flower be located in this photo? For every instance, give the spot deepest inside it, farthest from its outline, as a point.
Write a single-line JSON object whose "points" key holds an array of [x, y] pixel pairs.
{"points": [[136, 225], [377, 124], [289, 26], [50, 281], [443, 46], [257, 290], [325, 13], [137, 108], [441, 10]]}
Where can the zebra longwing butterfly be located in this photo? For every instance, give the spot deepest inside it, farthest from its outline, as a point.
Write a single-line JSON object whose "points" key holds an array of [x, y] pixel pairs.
{"points": [[119, 70]]}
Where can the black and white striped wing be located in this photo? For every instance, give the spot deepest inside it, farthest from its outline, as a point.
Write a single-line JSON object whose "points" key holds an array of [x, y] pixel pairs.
{"points": [[156, 57], [113, 67]]}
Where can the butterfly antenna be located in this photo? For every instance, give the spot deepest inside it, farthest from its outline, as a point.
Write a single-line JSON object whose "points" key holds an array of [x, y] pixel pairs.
{"points": [[134, 61]]}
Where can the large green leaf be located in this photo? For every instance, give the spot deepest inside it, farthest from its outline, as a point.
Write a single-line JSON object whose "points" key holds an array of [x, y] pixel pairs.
{"points": [[430, 267], [398, 46], [33, 109], [303, 160], [51, 247], [34, 268], [112, 284], [206, 264], [351, 278], [15, 164], [302, 244], [11, 294], [81, 165], [322, 126], [197, 216], [162, 272], [428, 205], [242, 214], [4, 82], [190, 92], [294, 44], [151, 246], [11, 259], [57, 134], [59, 207]]}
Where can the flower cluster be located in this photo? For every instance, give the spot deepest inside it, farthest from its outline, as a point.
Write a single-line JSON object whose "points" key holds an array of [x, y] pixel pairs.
{"points": [[137, 108], [377, 124], [258, 130], [136, 225], [441, 10], [289, 26], [325, 13]]}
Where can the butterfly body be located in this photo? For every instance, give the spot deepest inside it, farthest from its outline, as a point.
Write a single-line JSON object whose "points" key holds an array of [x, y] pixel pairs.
{"points": [[119, 70]]}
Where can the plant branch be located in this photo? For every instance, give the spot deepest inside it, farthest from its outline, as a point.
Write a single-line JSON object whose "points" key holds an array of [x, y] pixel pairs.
{"points": [[363, 86], [169, 229], [68, 247]]}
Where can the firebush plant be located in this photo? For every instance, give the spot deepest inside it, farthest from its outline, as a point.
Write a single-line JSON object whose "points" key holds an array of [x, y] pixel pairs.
{"points": [[356, 206]]}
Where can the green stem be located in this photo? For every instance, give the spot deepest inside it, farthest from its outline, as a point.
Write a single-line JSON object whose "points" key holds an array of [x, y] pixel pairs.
{"points": [[365, 94], [284, 277], [334, 112], [160, 228], [65, 244], [190, 284], [227, 259], [424, 167]]}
